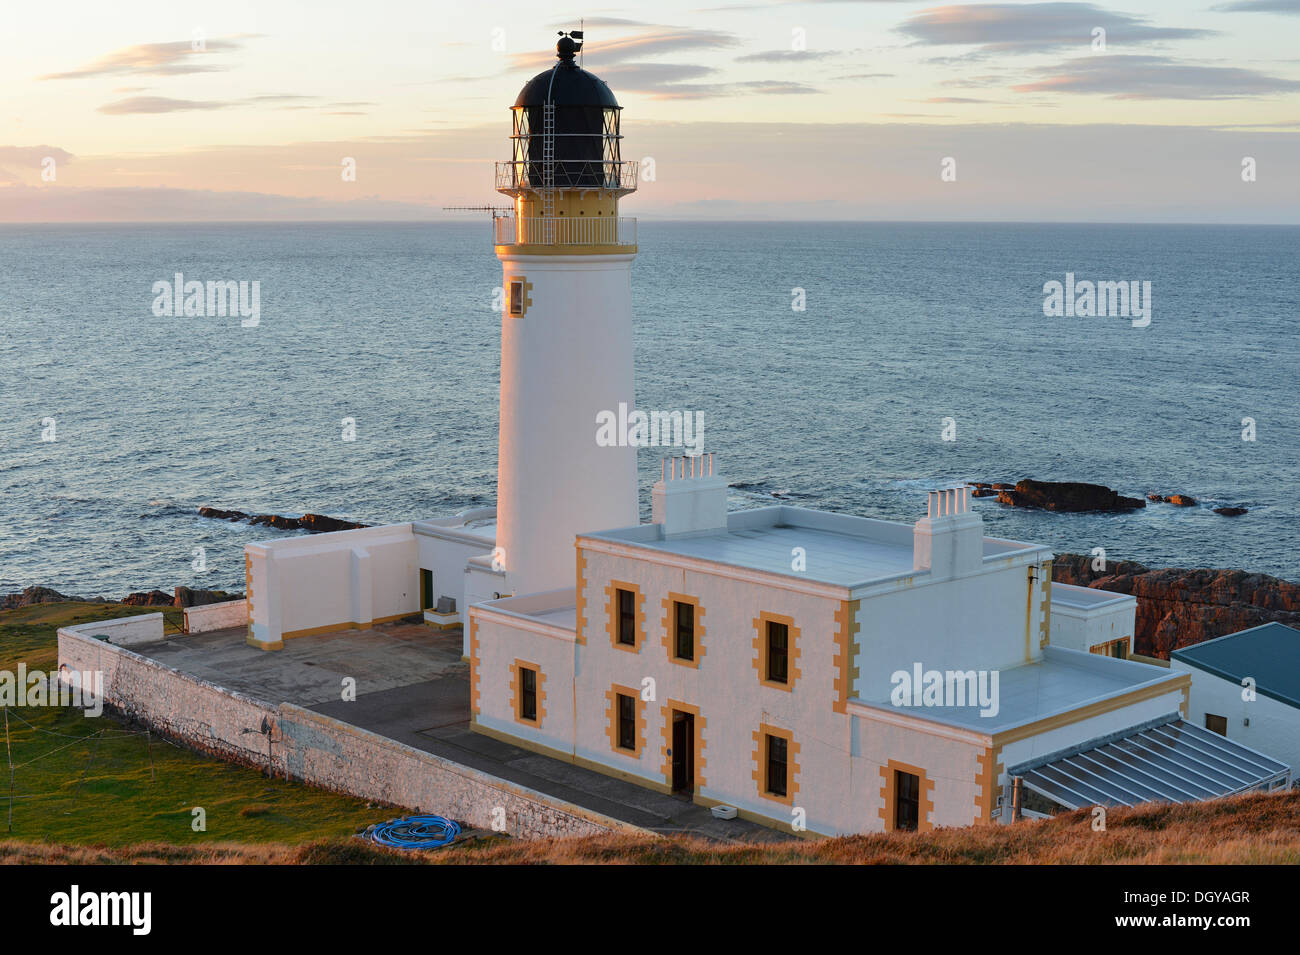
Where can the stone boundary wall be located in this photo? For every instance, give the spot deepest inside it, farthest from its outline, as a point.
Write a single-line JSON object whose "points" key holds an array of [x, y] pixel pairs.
{"points": [[319, 750]]}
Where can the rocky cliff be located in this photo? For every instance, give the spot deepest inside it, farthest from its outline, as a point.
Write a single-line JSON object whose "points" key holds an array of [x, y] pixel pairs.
{"points": [[1179, 607]]}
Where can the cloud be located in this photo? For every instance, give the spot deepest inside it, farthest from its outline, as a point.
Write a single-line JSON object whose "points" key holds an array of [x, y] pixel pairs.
{"points": [[953, 99], [663, 40], [147, 204], [866, 76], [156, 59], [1033, 27], [1291, 7], [787, 56], [673, 81], [163, 104], [280, 98], [33, 155], [710, 90], [159, 104], [1154, 77], [590, 22]]}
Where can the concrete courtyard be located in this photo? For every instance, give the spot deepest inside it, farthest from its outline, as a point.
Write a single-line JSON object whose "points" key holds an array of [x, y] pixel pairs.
{"points": [[413, 687]]}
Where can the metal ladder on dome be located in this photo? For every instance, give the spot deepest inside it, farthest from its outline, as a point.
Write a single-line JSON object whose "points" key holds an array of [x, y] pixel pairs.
{"points": [[548, 173]]}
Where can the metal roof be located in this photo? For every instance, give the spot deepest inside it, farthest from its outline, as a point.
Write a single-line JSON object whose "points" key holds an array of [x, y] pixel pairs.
{"points": [[1269, 654], [1169, 760]]}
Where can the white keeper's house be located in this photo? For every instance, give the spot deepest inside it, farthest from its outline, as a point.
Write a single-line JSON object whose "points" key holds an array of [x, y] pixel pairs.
{"points": [[833, 673]]}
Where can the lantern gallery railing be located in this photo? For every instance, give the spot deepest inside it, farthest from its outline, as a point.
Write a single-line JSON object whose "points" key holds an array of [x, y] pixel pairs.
{"points": [[561, 230], [532, 175]]}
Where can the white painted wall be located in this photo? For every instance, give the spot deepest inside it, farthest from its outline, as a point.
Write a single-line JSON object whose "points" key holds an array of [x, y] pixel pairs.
{"points": [[974, 622], [1082, 628], [568, 358], [1274, 726], [345, 577], [502, 639], [219, 616], [124, 631]]}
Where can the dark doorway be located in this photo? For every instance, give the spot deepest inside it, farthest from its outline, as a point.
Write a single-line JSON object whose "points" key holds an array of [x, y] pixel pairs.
{"points": [[426, 589], [683, 752], [907, 801]]}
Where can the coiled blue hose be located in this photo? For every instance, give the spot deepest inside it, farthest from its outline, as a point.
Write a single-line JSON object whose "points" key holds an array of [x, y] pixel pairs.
{"points": [[414, 832]]}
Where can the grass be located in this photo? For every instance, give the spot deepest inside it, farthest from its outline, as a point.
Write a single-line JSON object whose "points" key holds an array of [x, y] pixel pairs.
{"points": [[82, 781], [1252, 829]]}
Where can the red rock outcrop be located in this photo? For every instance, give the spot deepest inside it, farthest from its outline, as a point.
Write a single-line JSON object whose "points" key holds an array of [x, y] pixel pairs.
{"points": [[1179, 607], [1067, 496]]}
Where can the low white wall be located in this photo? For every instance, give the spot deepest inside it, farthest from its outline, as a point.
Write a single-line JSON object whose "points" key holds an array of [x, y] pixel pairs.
{"points": [[124, 631], [222, 616], [1083, 617], [331, 581]]}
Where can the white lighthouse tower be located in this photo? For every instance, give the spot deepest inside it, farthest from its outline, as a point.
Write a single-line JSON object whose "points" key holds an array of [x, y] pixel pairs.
{"points": [[566, 324]]}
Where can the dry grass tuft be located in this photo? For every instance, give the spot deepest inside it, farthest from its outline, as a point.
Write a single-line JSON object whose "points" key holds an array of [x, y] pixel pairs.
{"points": [[1252, 829]]}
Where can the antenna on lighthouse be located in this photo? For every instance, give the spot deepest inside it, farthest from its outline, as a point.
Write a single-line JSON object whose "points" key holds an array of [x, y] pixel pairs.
{"points": [[495, 210]]}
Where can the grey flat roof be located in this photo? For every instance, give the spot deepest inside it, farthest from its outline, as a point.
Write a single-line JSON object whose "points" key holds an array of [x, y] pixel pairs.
{"points": [[1270, 654], [1086, 598], [841, 549], [1059, 681], [1171, 761]]}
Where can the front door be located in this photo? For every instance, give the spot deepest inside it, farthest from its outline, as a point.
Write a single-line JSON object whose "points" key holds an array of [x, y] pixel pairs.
{"points": [[683, 752], [426, 589]]}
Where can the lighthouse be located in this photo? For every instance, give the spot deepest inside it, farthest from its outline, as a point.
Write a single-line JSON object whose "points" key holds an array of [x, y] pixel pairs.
{"points": [[566, 324]]}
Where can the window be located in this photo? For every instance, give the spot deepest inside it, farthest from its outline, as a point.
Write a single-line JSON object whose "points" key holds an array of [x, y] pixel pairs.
{"points": [[777, 758], [1216, 724], [527, 694], [626, 722], [516, 298], [778, 652], [907, 801], [626, 617], [684, 630]]}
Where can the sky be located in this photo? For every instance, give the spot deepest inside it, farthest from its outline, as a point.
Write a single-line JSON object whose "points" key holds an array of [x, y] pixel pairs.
{"points": [[1143, 111]]}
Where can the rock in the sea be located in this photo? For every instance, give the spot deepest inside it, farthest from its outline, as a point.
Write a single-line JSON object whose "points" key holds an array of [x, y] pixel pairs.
{"points": [[1181, 500], [1156, 498], [319, 523], [1067, 496], [185, 597], [316, 523], [978, 491], [275, 520], [217, 514], [1230, 511], [1178, 607], [151, 598]]}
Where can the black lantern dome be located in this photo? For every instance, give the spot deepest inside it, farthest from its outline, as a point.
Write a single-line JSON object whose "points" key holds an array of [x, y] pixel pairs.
{"points": [[566, 128]]}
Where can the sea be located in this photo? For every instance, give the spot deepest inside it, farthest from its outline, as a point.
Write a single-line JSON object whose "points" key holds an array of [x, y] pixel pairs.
{"points": [[843, 366]]}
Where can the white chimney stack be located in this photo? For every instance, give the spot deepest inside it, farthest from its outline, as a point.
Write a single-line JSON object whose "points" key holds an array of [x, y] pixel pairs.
{"points": [[949, 540], [689, 498]]}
